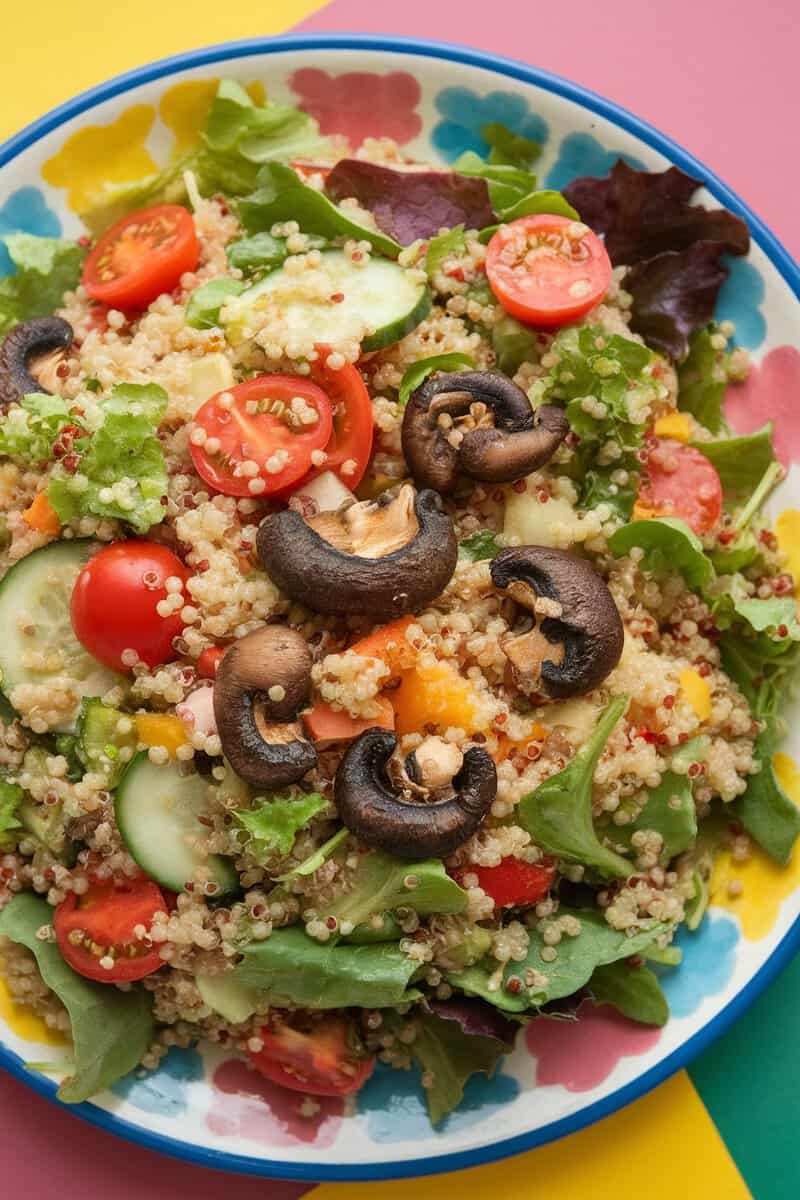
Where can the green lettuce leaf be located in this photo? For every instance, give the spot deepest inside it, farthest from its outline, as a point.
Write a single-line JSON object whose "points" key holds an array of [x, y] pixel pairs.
{"points": [[205, 302], [419, 371], [478, 546], [111, 1030], [125, 452], [669, 545], [510, 148], [10, 799], [281, 196], [558, 814], [29, 429], [274, 825], [46, 268], [378, 885], [670, 811], [702, 380], [513, 344], [576, 960], [292, 968], [740, 462], [633, 991]]}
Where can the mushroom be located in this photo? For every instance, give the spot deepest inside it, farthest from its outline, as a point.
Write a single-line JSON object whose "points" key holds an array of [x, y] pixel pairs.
{"points": [[479, 424], [577, 635], [381, 557], [373, 808], [30, 356], [261, 684]]}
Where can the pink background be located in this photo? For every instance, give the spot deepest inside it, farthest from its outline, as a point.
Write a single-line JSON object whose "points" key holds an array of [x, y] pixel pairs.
{"points": [[719, 78]]}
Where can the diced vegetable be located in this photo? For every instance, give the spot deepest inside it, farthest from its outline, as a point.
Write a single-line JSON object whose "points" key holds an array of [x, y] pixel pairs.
{"points": [[327, 725]]}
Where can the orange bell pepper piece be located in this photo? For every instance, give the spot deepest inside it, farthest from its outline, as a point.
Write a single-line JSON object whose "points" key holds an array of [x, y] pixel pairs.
{"points": [[41, 515]]}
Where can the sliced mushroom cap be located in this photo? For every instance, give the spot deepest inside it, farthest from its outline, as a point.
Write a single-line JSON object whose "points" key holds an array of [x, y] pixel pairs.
{"points": [[499, 436], [373, 810], [577, 636], [29, 357], [262, 682], [382, 557]]}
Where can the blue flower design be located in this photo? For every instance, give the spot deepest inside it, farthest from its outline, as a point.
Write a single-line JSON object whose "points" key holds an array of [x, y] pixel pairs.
{"points": [[708, 961], [740, 299], [581, 154], [25, 211], [394, 1102], [164, 1090], [465, 113]]}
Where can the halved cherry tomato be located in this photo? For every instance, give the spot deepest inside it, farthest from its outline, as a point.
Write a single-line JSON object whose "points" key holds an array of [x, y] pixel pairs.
{"points": [[350, 443], [209, 660], [114, 603], [261, 427], [324, 1059], [306, 168], [513, 883], [679, 481], [141, 256], [101, 924], [547, 270]]}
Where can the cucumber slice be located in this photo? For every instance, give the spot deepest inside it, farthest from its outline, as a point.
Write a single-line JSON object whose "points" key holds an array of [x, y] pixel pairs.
{"points": [[43, 650], [157, 812], [225, 995], [382, 296], [101, 740]]}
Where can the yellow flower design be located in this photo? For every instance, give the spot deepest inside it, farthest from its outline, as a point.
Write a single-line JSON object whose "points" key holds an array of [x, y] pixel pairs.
{"points": [[25, 1023], [100, 155], [184, 109], [787, 528], [765, 884]]}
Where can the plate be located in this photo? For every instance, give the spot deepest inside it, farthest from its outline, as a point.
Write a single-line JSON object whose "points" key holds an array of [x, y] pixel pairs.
{"points": [[434, 99]]}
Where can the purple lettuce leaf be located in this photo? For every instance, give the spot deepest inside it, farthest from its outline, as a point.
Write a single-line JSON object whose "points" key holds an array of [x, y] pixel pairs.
{"points": [[412, 204], [645, 213], [475, 1018], [675, 293]]}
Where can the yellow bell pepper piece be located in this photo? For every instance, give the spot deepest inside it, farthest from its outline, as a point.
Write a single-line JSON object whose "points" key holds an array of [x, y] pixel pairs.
{"points": [[696, 690], [161, 729], [643, 512], [436, 695], [674, 425]]}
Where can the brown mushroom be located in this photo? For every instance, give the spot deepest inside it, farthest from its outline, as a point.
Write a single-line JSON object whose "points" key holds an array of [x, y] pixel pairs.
{"points": [[30, 356], [421, 826], [382, 557], [262, 682], [576, 637], [479, 424]]}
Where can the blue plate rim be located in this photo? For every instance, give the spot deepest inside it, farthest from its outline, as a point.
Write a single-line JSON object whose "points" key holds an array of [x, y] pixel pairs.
{"points": [[790, 943]]}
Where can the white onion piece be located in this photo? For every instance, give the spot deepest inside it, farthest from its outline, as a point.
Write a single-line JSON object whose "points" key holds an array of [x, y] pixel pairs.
{"points": [[197, 710]]}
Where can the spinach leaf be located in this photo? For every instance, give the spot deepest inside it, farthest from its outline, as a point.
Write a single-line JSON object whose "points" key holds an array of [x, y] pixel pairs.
{"points": [[261, 252], [10, 799], [275, 823], [379, 885], [702, 380], [513, 344], [111, 1030], [46, 268], [545, 200], [558, 814], [205, 302], [450, 244], [292, 968], [740, 462], [479, 546], [576, 960], [695, 907], [669, 545], [512, 187], [282, 196], [419, 371], [633, 991], [670, 811], [510, 148]]}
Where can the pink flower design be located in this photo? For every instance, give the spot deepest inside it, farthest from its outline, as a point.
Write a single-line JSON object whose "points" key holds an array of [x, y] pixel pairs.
{"points": [[247, 1105], [580, 1054], [771, 392], [361, 104]]}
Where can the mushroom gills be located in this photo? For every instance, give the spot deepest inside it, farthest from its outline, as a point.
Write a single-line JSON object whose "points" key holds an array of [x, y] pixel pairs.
{"points": [[30, 356], [371, 807], [370, 528]]}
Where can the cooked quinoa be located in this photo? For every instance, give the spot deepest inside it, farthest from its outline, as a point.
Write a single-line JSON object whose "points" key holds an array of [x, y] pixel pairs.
{"points": [[340, 647]]}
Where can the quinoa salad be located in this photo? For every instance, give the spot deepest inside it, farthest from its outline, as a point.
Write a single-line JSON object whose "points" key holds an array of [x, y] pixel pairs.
{"points": [[392, 632]]}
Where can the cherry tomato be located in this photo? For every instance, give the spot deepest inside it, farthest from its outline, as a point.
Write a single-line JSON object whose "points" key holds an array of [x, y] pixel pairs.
{"points": [[101, 922], [260, 427], [323, 1059], [679, 481], [114, 603], [514, 883], [141, 256], [350, 443], [547, 270], [209, 660]]}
